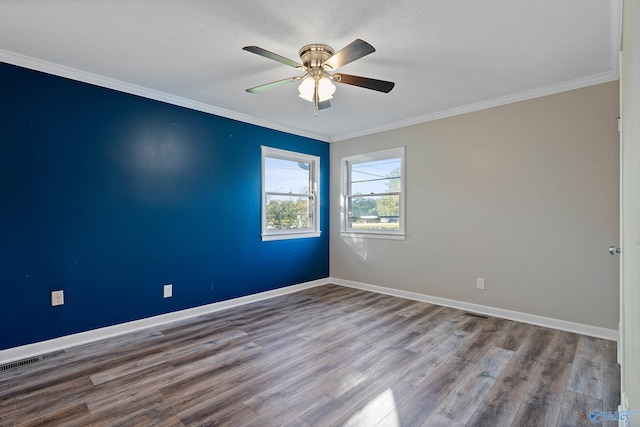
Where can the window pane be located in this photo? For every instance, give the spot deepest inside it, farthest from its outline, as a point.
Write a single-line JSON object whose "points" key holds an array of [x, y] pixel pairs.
{"points": [[288, 213], [380, 176], [374, 213], [286, 176]]}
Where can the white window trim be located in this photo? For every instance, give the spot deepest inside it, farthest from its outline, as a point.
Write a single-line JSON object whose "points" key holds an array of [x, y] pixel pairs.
{"points": [[314, 166], [368, 157]]}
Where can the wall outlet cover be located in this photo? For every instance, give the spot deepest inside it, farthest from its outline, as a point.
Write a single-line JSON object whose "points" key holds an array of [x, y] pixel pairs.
{"points": [[57, 298], [168, 291]]}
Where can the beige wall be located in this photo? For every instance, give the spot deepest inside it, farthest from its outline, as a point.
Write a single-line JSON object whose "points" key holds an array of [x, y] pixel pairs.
{"points": [[524, 195]]}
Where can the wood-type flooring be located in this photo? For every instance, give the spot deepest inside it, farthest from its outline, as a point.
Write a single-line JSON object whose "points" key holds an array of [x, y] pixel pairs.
{"points": [[324, 356]]}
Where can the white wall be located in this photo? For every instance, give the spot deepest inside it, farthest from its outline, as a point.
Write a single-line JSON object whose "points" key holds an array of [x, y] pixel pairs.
{"points": [[524, 195]]}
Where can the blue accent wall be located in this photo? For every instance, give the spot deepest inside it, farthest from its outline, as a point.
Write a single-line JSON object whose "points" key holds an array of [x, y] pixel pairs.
{"points": [[109, 196]]}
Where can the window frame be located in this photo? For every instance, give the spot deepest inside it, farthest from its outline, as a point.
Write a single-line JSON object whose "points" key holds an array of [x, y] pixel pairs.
{"points": [[346, 161], [314, 186]]}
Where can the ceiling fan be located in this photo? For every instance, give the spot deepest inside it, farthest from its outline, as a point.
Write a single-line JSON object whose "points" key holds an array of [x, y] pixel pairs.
{"points": [[317, 60]]}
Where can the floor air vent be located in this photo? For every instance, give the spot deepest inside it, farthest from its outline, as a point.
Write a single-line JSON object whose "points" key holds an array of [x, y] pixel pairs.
{"points": [[19, 363], [480, 316]]}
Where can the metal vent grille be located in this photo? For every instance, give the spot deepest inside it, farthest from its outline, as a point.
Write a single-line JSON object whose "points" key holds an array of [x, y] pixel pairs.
{"points": [[19, 363], [481, 316]]}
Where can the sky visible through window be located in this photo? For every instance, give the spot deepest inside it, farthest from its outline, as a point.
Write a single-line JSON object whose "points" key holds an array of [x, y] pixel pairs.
{"points": [[286, 176], [372, 177]]}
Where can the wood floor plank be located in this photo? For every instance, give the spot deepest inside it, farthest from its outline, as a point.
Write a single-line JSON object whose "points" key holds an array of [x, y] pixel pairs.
{"points": [[284, 404], [381, 402], [120, 414], [478, 345], [497, 324], [417, 308], [206, 413], [417, 372], [228, 372], [299, 355], [501, 404], [563, 346], [57, 418], [459, 405], [290, 382], [447, 341], [329, 355], [356, 402], [536, 343], [433, 330], [377, 363], [436, 318], [587, 372], [50, 399], [576, 408], [455, 343], [543, 402], [200, 348], [437, 420], [212, 403], [150, 418], [514, 335], [417, 407]]}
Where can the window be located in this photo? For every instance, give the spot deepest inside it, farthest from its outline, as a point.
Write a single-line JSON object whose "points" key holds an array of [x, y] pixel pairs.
{"points": [[290, 188], [373, 202]]}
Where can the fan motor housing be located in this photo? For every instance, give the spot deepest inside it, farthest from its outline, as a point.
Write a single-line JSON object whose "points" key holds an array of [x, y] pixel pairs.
{"points": [[314, 55]]}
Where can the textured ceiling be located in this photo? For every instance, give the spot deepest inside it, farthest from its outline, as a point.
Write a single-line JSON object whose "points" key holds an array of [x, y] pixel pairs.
{"points": [[445, 56]]}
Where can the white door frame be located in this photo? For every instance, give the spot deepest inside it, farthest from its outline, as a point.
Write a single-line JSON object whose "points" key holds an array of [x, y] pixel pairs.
{"points": [[629, 343]]}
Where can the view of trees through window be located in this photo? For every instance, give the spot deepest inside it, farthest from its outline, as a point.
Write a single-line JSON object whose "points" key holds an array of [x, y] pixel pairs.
{"points": [[374, 194], [287, 213], [289, 200]]}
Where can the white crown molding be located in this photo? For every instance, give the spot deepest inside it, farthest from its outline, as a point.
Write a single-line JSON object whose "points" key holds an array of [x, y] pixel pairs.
{"points": [[109, 83], [547, 322], [490, 103], [48, 346], [106, 82]]}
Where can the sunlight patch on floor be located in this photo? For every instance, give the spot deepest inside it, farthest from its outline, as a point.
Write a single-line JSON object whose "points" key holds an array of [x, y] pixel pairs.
{"points": [[378, 408]]}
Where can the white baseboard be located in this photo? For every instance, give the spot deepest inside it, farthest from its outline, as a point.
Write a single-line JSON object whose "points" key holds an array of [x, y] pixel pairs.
{"points": [[43, 347], [563, 325], [48, 346]]}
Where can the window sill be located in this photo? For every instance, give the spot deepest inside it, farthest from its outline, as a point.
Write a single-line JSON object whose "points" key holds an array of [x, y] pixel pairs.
{"points": [[372, 235], [288, 236]]}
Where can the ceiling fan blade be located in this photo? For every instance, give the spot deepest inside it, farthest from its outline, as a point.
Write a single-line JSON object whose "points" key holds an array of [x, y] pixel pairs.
{"points": [[365, 82], [277, 83], [355, 50], [263, 52], [324, 104]]}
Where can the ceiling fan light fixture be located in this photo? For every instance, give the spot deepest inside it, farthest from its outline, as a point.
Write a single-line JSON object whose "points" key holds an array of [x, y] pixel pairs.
{"points": [[326, 89], [316, 86]]}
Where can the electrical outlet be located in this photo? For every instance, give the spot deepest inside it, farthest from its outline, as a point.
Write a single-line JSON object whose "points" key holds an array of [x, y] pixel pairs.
{"points": [[57, 298], [168, 291], [480, 283]]}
